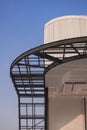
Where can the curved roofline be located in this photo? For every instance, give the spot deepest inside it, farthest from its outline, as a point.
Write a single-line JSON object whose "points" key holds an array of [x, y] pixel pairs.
{"points": [[66, 17], [44, 46]]}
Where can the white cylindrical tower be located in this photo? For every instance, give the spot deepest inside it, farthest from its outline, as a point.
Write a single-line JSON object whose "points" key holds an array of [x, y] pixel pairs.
{"points": [[65, 27]]}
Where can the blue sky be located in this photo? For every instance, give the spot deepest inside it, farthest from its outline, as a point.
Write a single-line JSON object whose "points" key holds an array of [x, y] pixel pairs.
{"points": [[22, 28]]}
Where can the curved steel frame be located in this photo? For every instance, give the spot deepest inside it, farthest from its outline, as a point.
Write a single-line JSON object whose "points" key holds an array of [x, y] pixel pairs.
{"points": [[28, 76]]}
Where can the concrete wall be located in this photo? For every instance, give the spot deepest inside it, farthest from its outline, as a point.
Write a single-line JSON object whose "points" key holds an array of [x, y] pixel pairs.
{"points": [[66, 106], [66, 112]]}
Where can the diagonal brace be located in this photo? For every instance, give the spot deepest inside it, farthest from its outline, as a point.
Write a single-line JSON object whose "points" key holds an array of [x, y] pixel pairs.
{"points": [[49, 57]]}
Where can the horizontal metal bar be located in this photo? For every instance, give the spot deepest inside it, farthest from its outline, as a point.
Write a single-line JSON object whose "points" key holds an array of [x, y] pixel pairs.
{"points": [[31, 117], [28, 75], [31, 95], [30, 85], [33, 104], [35, 66], [32, 90]]}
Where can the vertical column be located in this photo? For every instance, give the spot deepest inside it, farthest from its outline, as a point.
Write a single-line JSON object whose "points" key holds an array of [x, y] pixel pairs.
{"points": [[46, 108], [19, 112], [84, 99]]}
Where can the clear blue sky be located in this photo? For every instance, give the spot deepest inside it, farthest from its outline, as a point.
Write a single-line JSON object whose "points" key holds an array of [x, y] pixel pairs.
{"points": [[22, 28]]}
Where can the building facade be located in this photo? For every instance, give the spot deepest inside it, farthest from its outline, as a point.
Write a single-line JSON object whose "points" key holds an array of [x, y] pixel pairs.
{"points": [[51, 80]]}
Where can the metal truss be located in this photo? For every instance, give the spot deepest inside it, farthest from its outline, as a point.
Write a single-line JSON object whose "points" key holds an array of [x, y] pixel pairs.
{"points": [[28, 76]]}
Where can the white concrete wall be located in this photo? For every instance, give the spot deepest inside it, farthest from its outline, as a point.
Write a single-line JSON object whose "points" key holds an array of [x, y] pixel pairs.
{"points": [[65, 27], [66, 107], [66, 113]]}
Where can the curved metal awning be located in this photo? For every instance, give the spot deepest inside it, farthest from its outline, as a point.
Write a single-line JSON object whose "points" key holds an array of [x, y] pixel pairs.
{"points": [[28, 70]]}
